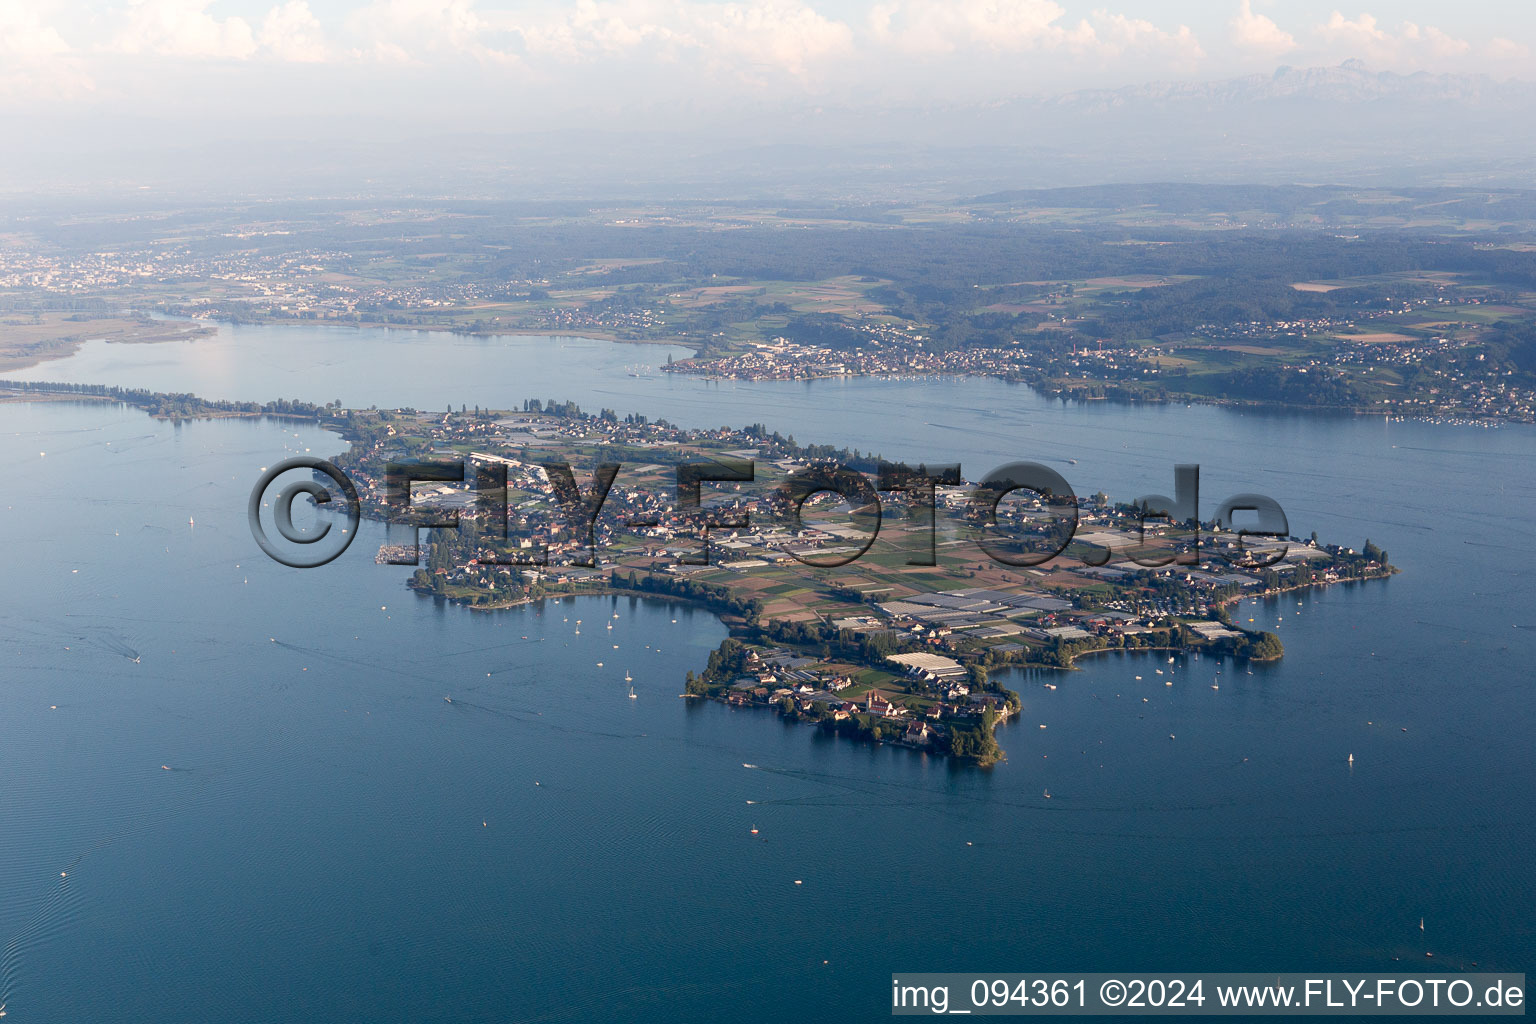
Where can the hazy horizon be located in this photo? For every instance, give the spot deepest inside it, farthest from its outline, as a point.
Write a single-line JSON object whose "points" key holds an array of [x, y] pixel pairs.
{"points": [[833, 98]]}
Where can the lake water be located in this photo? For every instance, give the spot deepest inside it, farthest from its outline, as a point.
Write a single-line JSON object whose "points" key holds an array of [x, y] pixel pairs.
{"points": [[330, 839]]}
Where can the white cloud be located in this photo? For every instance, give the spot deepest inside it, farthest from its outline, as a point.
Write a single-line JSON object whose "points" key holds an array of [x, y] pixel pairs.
{"points": [[292, 32], [944, 26], [1410, 46], [593, 29], [710, 51], [1362, 30], [783, 35], [938, 27], [409, 31], [1438, 42], [1118, 35], [1257, 33], [1499, 48], [183, 28], [24, 35], [35, 61]]}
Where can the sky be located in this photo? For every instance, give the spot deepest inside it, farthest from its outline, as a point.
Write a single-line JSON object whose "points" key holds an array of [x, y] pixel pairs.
{"points": [[638, 61], [482, 97]]}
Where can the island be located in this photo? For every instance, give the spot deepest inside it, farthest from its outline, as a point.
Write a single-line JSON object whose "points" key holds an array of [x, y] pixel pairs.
{"points": [[881, 624], [895, 639]]}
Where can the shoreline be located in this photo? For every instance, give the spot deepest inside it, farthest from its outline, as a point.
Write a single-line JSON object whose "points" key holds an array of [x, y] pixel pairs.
{"points": [[740, 629], [210, 327], [595, 334], [14, 392], [56, 349], [1171, 399], [1071, 664]]}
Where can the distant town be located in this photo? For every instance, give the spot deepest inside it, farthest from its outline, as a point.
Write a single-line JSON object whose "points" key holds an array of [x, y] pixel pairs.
{"points": [[1437, 323]]}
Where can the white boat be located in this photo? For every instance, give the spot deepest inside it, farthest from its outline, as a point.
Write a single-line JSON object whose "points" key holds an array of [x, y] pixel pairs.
{"points": [[1351, 758], [632, 695], [628, 678]]}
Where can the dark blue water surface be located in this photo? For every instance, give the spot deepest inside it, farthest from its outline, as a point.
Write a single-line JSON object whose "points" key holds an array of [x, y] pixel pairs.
{"points": [[273, 813]]}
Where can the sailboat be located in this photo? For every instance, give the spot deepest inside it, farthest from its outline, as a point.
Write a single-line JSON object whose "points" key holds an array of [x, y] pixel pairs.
{"points": [[627, 677], [632, 694]]}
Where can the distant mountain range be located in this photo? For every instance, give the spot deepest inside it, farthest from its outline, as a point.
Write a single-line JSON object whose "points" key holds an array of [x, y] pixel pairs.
{"points": [[1350, 82], [1345, 125], [1341, 124]]}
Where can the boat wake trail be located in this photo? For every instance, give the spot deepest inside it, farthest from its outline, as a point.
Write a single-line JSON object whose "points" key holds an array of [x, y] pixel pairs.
{"points": [[54, 914]]}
